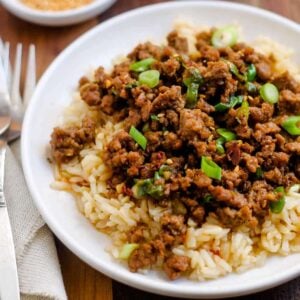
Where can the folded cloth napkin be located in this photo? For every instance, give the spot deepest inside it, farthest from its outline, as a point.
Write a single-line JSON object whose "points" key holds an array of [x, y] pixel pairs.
{"points": [[38, 267]]}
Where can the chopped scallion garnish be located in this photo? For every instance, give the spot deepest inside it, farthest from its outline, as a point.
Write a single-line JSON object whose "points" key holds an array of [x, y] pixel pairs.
{"points": [[207, 198], [163, 169], [196, 77], [139, 189], [210, 168], [259, 173], [142, 65], [269, 93], [219, 145], [148, 187], [154, 118], [192, 94], [226, 134], [243, 111], [234, 70], [220, 107], [292, 125], [233, 101], [225, 37], [149, 78], [156, 176], [127, 249], [251, 87], [251, 72], [155, 191], [277, 206], [193, 83], [138, 137]]}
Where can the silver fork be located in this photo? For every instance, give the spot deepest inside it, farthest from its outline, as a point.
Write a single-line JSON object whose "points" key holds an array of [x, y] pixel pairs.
{"points": [[12, 107]]}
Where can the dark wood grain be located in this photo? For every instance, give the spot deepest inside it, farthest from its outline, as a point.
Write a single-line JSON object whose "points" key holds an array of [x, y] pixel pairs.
{"points": [[81, 281]]}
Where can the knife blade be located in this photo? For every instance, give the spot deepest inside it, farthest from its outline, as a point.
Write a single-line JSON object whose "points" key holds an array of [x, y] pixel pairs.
{"points": [[9, 283]]}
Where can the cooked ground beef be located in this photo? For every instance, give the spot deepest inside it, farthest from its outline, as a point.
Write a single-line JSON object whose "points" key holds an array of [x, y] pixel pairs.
{"points": [[67, 143], [175, 265], [259, 157]]}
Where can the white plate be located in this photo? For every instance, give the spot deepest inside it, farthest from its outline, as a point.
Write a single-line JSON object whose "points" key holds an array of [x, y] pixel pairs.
{"points": [[98, 47], [58, 18]]}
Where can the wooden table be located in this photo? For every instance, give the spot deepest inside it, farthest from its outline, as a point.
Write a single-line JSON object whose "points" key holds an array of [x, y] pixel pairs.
{"points": [[81, 281]]}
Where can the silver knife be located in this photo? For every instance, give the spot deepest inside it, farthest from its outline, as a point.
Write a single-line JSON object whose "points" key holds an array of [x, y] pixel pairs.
{"points": [[9, 283]]}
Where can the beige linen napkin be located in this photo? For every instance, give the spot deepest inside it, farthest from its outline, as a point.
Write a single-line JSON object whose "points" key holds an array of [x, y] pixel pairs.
{"points": [[38, 267]]}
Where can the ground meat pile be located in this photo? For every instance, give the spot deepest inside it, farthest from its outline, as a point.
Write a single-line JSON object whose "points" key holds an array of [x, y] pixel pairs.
{"points": [[179, 118]]}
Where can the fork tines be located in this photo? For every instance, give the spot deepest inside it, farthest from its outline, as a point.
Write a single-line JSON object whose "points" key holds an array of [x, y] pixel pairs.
{"points": [[13, 76]]}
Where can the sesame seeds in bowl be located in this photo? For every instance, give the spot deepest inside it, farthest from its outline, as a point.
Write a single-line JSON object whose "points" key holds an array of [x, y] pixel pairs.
{"points": [[56, 12]]}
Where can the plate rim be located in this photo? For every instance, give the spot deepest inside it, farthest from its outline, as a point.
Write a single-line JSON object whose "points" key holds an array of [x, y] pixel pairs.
{"points": [[162, 288]]}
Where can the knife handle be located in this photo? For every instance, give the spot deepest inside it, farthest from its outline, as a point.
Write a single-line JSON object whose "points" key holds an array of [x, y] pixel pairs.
{"points": [[2, 169]]}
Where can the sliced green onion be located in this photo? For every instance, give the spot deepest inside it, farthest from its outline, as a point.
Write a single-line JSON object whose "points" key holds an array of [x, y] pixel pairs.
{"points": [[193, 83], [146, 127], [269, 93], [138, 137], [219, 145], [234, 70], [292, 125], [192, 94], [251, 72], [207, 198], [155, 191], [251, 87], [259, 173], [210, 168], [233, 101], [149, 78], [142, 65], [236, 100], [148, 187], [196, 76], [225, 37], [280, 189], [126, 250], [115, 92], [243, 111], [163, 169], [226, 134], [156, 176], [131, 85], [277, 206], [154, 118], [139, 190], [220, 107]]}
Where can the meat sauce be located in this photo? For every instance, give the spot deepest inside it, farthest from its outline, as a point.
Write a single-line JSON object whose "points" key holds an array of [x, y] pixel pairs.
{"points": [[260, 157]]}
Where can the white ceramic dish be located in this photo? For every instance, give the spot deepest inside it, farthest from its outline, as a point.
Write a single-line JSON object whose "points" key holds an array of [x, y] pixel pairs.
{"points": [[98, 47], [59, 18]]}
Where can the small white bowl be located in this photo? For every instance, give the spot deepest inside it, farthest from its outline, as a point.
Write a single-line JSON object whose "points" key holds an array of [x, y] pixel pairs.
{"points": [[57, 18]]}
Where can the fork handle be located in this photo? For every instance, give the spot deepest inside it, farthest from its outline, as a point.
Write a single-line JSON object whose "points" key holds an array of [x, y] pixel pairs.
{"points": [[2, 169]]}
